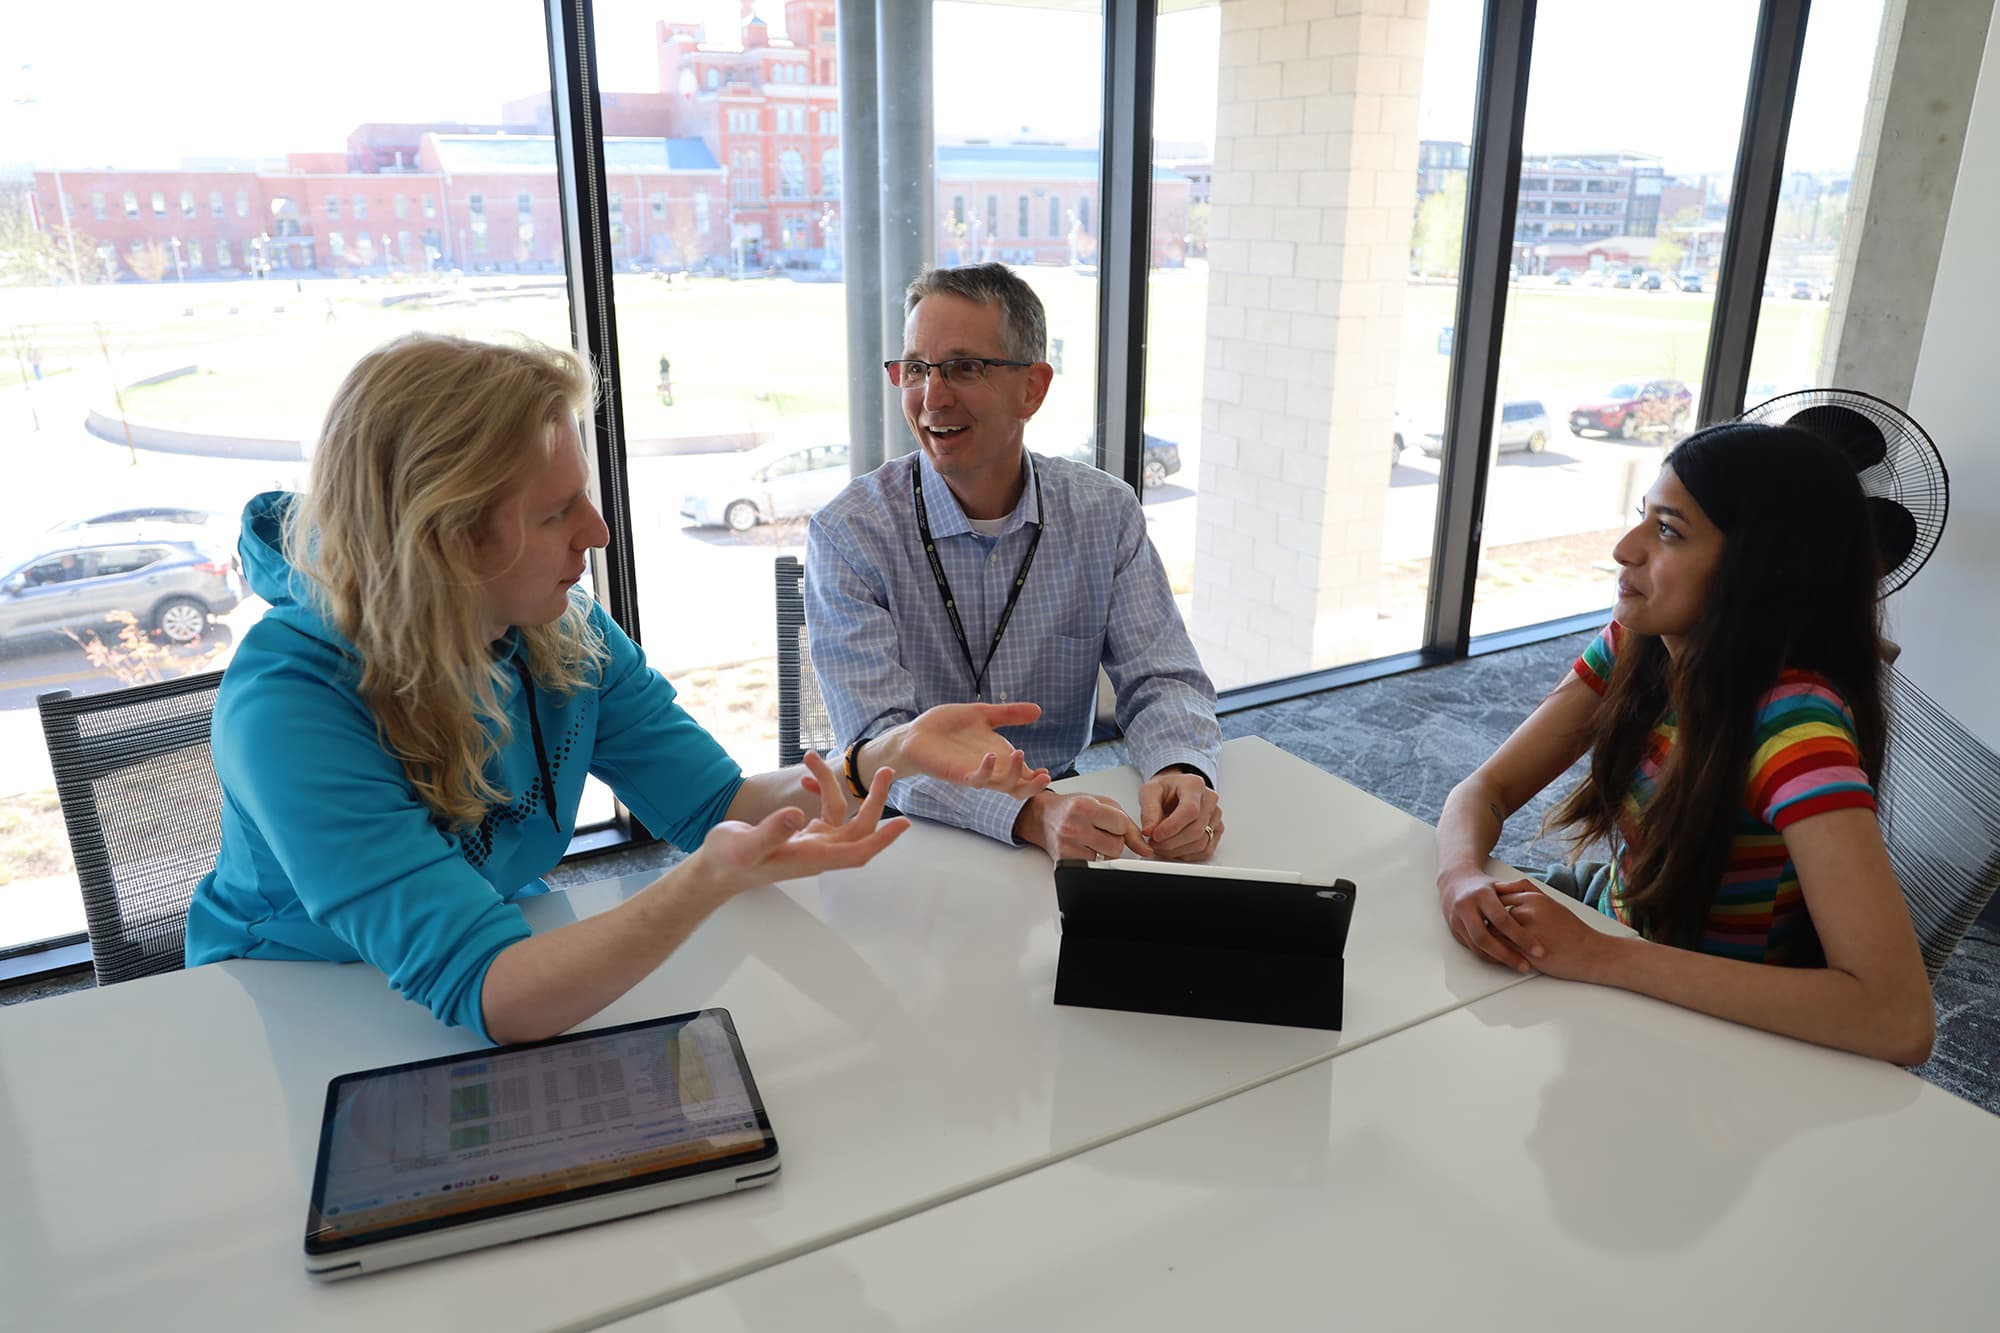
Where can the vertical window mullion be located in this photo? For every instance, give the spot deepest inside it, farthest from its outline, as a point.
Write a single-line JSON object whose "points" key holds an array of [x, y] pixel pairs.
{"points": [[1753, 206], [1124, 228], [1492, 191]]}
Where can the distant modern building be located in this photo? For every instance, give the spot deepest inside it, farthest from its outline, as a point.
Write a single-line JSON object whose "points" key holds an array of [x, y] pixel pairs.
{"points": [[1439, 161], [1588, 196]]}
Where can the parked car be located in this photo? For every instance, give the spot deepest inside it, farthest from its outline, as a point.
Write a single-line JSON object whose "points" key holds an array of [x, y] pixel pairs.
{"points": [[168, 581], [1162, 460], [1407, 435], [1689, 280], [771, 482], [198, 518], [1621, 279], [1650, 282], [1763, 391], [1631, 406], [1524, 424], [1803, 290], [1564, 277]]}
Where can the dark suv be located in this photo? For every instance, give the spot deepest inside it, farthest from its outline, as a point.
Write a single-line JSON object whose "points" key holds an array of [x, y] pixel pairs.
{"points": [[170, 582], [1162, 459], [1631, 406]]}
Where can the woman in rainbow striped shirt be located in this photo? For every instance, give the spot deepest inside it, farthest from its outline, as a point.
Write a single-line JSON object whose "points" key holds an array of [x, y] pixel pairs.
{"points": [[1734, 720]]}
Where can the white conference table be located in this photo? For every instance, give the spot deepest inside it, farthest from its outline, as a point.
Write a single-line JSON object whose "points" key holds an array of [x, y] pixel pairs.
{"points": [[1557, 1156], [161, 1134]]}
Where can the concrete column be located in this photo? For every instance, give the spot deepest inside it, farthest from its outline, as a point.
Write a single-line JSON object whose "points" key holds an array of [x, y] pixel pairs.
{"points": [[1315, 178], [861, 234], [1904, 176], [908, 179]]}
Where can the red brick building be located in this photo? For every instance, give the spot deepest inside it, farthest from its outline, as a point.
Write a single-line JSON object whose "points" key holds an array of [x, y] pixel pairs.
{"points": [[1036, 203], [734, 160]]}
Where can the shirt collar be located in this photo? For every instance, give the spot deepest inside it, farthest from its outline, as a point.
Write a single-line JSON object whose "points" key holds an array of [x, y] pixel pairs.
{"points": [[947, 519]]}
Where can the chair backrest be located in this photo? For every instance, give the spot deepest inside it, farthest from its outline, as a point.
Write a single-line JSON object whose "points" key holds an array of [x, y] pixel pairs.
{"points": [[802, 721], [144, 812], [1940, 799]]}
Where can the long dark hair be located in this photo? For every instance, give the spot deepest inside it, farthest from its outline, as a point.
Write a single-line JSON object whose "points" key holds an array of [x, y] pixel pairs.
{"points": [[1796, 587]]}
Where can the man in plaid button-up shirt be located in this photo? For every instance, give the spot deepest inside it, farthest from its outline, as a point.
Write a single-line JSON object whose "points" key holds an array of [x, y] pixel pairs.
{"points": [[883, 643]]}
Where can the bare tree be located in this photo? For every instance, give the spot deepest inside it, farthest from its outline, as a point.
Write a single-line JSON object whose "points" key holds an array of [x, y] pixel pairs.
{"points": [[36, 251], [149, 261]]}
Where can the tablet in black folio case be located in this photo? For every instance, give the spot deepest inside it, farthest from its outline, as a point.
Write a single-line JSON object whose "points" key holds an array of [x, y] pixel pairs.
{"points": [[1202, 942]]}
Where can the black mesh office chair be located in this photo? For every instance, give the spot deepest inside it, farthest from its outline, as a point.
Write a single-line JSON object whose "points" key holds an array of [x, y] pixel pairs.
{"points": [[1940, 799], [144, 812], [802, 721]]}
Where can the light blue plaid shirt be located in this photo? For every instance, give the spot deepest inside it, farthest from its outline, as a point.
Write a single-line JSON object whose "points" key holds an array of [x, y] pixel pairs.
{"points": [[884, 651]]}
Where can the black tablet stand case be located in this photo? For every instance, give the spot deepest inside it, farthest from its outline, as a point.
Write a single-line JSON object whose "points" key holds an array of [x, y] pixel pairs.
{"points": [[1201, 947]]}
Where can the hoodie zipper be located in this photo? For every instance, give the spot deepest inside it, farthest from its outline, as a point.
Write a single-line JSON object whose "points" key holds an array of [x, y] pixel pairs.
{"points": [[541, 750]]}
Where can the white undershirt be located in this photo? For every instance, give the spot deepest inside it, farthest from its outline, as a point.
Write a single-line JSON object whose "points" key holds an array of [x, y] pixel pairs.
{"points": [[988, 527]]}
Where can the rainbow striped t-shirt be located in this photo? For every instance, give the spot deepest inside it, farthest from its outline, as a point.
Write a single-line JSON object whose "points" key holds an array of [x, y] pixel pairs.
{"points": [[1807, 761]]}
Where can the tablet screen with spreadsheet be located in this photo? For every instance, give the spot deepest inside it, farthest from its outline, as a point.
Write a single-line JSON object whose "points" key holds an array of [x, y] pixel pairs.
{"points": [[465, 1140]]}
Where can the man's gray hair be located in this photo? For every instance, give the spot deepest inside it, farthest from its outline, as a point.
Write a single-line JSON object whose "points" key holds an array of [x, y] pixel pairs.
{"points": [[1024, 328]]}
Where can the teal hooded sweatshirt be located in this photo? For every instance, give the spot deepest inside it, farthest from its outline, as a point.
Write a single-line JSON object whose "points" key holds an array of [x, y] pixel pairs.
{"points": [[327, 851]]}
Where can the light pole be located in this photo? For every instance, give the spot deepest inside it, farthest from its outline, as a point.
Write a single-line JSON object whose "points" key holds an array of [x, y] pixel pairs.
{"points": [[735, 247], [388, 255], [174, 243], [62, 201], [829, 239]]}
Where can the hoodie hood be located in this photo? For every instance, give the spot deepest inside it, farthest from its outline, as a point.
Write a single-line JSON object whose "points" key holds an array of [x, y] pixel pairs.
{"points": [[291, 593]]}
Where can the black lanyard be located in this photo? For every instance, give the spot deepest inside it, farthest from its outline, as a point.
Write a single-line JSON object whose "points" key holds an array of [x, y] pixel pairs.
{"points": [[944, 585]]}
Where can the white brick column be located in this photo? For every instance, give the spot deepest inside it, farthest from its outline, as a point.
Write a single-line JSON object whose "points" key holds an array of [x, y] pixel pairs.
{"points": [[1313, 200]]}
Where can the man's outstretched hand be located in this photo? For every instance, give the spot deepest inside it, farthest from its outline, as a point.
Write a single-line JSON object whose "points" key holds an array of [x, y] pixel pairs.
{"points": [[961, 743]]}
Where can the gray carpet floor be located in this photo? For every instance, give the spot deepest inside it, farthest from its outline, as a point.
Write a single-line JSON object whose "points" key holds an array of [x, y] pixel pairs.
{"points": [[1407, 739]]}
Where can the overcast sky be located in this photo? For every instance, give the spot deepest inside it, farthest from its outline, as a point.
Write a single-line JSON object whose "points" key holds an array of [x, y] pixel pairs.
{"points": [[135, 83]]}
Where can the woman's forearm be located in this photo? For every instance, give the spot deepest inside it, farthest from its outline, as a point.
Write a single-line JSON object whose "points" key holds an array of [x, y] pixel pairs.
{"points": [[1467, 829], [549, 983], [1824, 1005]]}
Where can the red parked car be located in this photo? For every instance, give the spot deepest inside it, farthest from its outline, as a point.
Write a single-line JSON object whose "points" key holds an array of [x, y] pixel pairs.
{"points": [[1631, 406]]}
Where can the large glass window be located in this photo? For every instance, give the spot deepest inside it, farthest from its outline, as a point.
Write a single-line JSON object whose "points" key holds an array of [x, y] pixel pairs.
{"points": [[983, 148], [156, 393], [1809, 242], [1304, 274], [1606, 330], [735, 373], [731, 318]]}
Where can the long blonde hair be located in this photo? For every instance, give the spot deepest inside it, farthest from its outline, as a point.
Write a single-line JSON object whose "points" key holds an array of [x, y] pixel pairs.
{"points": [[425, 437]]}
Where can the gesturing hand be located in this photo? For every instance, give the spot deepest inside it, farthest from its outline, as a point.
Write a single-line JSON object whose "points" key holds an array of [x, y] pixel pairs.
{"points": [[1180, 816], [784, 845], [960, 743], [1480, 921]]}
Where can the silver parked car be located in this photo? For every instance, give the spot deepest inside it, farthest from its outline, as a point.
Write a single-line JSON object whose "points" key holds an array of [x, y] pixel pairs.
{"points": [[1524, 424], [169, 582], [772, 481]]}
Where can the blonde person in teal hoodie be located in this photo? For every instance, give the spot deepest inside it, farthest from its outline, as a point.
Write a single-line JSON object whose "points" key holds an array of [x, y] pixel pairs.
{"points": [[403, 738]]}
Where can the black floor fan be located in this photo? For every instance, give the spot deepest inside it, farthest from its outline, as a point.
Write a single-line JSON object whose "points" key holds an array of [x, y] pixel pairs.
{"points": [[1900, 469]]}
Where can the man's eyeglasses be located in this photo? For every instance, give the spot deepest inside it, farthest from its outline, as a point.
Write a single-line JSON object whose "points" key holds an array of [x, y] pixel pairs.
{"points": [[913, 374]]}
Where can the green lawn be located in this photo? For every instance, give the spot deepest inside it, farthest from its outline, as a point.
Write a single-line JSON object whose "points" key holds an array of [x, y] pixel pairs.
{"points": [[751, 356]]}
